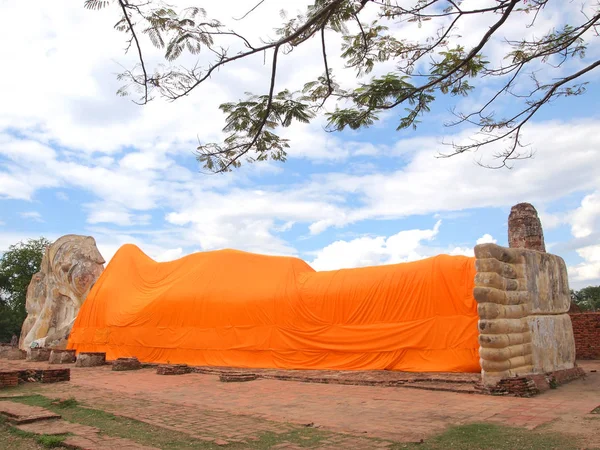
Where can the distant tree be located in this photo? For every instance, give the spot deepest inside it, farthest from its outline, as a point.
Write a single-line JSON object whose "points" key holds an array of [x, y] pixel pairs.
{"points": [[533, 72], [588, 298], [17, 265]]}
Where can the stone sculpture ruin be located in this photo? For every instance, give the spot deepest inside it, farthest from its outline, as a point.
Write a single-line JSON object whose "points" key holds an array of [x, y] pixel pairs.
{"points": [[69, 269]]}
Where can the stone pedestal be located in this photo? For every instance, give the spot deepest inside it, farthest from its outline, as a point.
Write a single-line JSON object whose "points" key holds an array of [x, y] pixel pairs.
{"points": [[90, 359], [62, 356], [4, 350], [15, 353], [126, 364], [38, 354]]}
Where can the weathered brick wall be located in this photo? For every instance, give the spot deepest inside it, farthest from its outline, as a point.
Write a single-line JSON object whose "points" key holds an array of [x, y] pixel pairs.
{"points": [[586, 328]]}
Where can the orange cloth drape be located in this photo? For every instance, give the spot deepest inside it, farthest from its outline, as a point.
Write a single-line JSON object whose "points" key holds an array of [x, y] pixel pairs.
{"points": [[231, 308]]}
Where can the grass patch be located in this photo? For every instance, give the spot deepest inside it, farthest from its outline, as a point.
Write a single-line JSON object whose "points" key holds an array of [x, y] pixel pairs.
{"points": [[54, 441], [485, 436], [596, 410], [68, 403]]}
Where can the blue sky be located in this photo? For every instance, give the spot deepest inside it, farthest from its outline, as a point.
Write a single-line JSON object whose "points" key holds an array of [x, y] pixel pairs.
{"points": [[75, 158]]}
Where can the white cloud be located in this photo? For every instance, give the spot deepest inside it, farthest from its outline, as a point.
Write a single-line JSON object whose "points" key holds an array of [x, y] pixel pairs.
{"points": [[586, 218], [169, 255], [486, 239], [428, 184], [115, 214], [62, 196], [32, 215], [369, 251], [590, 268], [585, 227]]}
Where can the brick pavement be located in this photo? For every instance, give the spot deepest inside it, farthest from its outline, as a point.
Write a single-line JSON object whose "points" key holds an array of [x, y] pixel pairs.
{"points": [[200, 405]]}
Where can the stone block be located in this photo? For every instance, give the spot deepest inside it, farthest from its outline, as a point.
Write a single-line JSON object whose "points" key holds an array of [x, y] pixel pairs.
{"points": [[38, 354], [15, 354], [547, 283], [552, 342], [90, 359], [62, 356]]}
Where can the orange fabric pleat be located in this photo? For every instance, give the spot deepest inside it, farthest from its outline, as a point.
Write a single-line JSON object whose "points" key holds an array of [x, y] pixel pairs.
{"points": [[231, 308]]}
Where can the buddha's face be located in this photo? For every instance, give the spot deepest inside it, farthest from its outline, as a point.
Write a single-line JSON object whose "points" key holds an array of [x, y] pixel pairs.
{"points": [[83, 275]]}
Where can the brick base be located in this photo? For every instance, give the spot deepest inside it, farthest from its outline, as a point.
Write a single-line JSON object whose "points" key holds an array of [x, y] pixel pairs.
{"points": [[44, 375], [126, 364], [9, 378], [173, 369], [55, 375], [530, 385], [237, 377]]}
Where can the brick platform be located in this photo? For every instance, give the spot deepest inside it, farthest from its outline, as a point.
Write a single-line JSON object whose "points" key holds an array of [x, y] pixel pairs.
{"points": [[173, 369], [434, 381], [586, 328], [530, 385], [126, 364]]}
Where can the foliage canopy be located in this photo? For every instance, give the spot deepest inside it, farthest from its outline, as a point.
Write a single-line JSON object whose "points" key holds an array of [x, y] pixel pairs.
{"points": [[17, 265], [588, 298], [533, 71]]}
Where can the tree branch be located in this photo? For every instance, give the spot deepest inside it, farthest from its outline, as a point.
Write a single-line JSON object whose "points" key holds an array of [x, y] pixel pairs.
{"points": [[123, 4]]}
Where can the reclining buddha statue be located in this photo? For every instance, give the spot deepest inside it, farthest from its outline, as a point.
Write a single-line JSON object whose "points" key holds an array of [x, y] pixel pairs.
{"points": [[232, 308]]}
